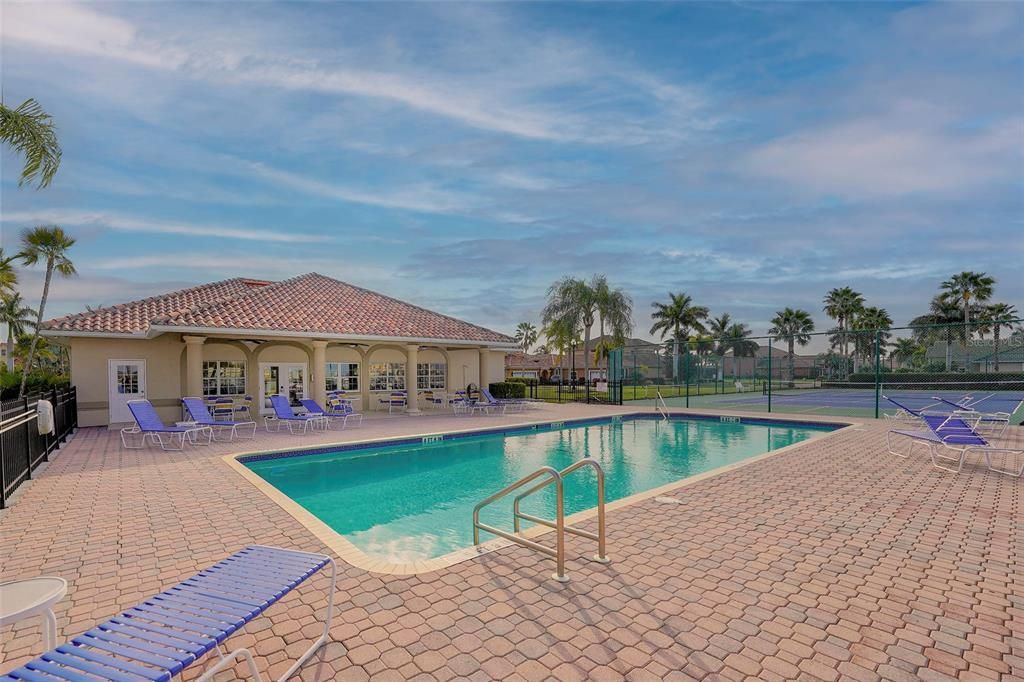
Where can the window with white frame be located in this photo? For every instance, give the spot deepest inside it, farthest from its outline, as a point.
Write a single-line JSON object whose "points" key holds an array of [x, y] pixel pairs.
{"points": [[387, 376], [223, 377], [431, 375], [342, 376]]}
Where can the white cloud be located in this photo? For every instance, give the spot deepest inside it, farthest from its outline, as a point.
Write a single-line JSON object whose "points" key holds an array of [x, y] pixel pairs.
{"points": [[423, 198], [889, 157], [506, 94], [125, 223]]}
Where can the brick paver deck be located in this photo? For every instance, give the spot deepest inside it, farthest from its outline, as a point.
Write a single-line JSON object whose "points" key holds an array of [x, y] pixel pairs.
{"points": [[833, 560]]}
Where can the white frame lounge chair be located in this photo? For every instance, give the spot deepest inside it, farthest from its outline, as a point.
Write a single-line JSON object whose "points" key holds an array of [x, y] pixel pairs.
{"points": [[197, 411], [152, 428]]}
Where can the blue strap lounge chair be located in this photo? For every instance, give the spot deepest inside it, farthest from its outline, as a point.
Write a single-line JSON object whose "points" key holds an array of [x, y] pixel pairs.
{"points": [[196, 409], [283, 414], [953, 434], [313, 408], [505, 403], [149, 424], [175, 629], [996, 421]]}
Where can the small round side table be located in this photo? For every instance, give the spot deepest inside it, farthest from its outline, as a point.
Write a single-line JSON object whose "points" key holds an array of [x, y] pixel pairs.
{"points": [[20, 599]]}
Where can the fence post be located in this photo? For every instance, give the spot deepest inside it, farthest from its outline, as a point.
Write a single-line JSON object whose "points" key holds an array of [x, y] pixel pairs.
{"points": [[878, 369], [686, 374], [769, 374], [28, 442], [3, 469]]}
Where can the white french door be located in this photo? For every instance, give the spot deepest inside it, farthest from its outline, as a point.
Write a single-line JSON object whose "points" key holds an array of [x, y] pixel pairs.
{"points": [[126, 380], [282, 378]]}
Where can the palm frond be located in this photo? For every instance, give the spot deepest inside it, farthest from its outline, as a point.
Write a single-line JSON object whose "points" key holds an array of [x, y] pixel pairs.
{"points": [[30, 131]]}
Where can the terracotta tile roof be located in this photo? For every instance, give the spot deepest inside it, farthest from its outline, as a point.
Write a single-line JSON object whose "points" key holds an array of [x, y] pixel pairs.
{"points": [[307, 304], [135, 317]]}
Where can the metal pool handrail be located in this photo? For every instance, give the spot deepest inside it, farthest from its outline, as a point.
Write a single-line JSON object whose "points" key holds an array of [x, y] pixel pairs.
{"points": [[661, 406], [559, 525], [600, 557]]}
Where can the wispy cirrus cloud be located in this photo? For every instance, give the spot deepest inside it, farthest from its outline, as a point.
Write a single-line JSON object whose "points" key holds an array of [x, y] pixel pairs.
{"points": [[500, 98], [118, 222]]}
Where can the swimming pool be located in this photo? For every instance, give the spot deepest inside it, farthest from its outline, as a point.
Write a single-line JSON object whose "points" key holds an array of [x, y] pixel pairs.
{"points": [[414, 501]]}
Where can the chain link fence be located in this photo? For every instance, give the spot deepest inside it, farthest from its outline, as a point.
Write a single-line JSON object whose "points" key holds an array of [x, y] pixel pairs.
{"points": [[856, 373]]}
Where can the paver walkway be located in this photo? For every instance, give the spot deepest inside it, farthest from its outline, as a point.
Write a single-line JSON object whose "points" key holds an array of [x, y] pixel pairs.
{"points": [[833, 560]]}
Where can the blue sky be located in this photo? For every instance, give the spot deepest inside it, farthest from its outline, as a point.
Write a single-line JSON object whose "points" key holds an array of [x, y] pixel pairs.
{"points": [[463, 156]]}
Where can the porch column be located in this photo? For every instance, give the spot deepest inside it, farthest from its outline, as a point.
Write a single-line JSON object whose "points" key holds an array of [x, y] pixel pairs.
{"points": [[485, 356], [318, 372], [194, 365], [412, 356], [364, 380]]}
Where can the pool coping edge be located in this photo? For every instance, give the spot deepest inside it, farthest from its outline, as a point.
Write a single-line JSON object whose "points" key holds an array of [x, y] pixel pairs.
{"points": [[351, 554]]}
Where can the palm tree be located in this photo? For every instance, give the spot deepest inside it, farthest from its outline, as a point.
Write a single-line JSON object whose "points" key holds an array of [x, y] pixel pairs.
{"points": [[679, 316], [573, 302], [562, 339], [8, 277], [905, 350], [17, 316], [999, 316], [841, 305], [940, 323], [871, 319], [52, 245], [526, 336], [717, 328], [795, 326], [735, 339], [615, 308], [966, 286], [30, 131], [543, 349]]}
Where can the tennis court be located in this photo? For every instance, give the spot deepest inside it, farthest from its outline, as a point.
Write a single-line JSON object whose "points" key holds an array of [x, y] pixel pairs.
{"points": [[856, 400]]}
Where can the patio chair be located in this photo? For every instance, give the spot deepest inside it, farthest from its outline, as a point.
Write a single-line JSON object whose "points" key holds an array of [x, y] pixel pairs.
{"points": [[283, 414], [149, 424], [955, 434], [196, 409], [244, 408], [223, 408], [395, 399], [342, 407], [174, 630]]}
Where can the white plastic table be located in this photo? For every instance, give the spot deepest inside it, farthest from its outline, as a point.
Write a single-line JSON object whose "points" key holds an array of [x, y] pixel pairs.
{"points": [[20, 599]]}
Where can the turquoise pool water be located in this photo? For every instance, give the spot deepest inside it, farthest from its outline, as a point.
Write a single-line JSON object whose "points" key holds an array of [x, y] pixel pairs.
{"points": [[412, 502]]}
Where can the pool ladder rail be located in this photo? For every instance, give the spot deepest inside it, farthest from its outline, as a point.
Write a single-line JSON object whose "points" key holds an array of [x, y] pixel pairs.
{"points": [[550, 476], [661, 406]]}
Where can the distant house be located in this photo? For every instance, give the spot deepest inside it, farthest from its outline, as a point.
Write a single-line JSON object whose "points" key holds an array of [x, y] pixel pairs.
{"points": [[978, 356], [545, 367], [300, 337]]}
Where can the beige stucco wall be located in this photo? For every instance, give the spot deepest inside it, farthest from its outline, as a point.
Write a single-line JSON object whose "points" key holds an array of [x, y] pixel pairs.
{"points": [[89, 362], [165, 368]]}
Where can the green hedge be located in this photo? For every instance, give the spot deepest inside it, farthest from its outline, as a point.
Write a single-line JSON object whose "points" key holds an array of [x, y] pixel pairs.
{"points": [[526, 381], [39, 381], [507, 389]]}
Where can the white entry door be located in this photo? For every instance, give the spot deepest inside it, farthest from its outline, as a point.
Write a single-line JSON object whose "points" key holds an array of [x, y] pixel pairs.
{"points": [[281, 378], [126, 380]]}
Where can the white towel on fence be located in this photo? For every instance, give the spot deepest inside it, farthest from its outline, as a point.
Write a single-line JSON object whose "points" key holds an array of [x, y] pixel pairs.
{"points": [[44, 417]]}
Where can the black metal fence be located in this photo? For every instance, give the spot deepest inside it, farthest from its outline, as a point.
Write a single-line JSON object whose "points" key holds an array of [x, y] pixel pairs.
{"points": [[857, 372], [22, 447]]}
